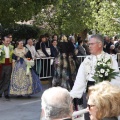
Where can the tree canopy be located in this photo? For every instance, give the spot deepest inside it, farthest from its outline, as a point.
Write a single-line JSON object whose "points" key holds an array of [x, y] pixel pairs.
{"points": [[73, 16], [12, 11], [64, 16]]}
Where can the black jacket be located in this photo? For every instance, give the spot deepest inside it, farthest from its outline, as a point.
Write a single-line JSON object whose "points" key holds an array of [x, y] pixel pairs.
{"points": [[54, 51]]}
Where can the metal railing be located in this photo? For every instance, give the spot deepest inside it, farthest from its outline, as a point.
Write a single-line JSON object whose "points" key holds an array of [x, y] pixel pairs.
{"points": [[44, 65], [118, 59]]}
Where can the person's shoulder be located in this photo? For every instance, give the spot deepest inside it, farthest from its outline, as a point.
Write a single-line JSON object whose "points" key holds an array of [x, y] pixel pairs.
{"points": [[88, 58], [108, 55], [1, 46], [11, 46]]}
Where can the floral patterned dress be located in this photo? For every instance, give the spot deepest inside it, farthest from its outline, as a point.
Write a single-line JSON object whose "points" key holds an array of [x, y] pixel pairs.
{"points": [[21, 83]]}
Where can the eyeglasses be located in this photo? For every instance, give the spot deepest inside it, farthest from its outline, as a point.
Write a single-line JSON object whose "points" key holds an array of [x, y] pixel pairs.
{"points": [[89, 106], [92, 43]]}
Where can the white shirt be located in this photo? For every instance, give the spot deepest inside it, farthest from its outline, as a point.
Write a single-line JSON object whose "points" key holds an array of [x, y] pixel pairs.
{"points": [[81, 78], [6, 48]]}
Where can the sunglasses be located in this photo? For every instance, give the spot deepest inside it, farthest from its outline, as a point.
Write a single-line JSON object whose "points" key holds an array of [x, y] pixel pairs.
{"points": [[89, 106]]}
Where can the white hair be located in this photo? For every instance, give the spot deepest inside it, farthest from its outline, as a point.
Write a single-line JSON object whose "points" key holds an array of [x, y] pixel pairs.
{"points": [[56, 103]]}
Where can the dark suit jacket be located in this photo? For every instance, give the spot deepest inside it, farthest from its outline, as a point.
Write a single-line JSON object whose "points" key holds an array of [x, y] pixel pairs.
{"points": [[37, 47], [54, 51], [81, 50]]}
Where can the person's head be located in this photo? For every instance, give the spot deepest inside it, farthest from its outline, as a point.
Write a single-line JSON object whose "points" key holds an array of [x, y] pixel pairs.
{"points": [[96, 44], [6, 41], [56, 103], [30, 42], [19, 44], [86, 41], [112, 47], [42, 38], [47, 36], [10, 37], [64, 38], [72, 39], [112, 40], [115, 38], [78, 38], [80, 42], [104, 101], [106, 38], [54, 42], [54, 37]]}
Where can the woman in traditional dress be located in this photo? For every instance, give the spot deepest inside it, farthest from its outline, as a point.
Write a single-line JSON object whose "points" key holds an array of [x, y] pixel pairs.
{"points": [[65, 69], [23, 80]]}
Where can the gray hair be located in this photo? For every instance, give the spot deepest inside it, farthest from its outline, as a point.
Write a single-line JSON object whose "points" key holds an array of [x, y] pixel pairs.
{"points": [[98, 37], [56, 103]]}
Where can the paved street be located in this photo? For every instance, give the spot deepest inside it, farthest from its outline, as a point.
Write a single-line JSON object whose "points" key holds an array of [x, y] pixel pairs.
{"points": [[21, 108]]}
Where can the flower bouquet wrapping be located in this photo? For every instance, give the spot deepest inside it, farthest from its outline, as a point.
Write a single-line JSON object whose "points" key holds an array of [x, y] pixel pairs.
{"points": [[103, 71], [30, 63]]}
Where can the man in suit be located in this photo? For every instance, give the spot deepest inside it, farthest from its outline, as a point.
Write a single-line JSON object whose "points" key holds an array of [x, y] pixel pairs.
{"points": [[6, 64]]}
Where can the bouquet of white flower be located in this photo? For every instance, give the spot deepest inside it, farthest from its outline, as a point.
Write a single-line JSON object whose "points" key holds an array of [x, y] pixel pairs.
{"points": [[103, 71], [30, 63]]}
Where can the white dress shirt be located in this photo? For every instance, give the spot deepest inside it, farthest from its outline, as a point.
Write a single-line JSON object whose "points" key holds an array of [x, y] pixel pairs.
{"points": [[81, 78], [6, 48]]}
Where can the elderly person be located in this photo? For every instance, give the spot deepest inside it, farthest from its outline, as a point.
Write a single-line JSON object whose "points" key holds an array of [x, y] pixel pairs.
{"points": [[104, 101], [87, 68], [32, 52], [56, 104]]}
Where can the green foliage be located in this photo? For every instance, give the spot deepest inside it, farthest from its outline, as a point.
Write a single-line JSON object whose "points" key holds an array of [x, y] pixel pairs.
{"points": [[74, 16], [104, 14], [22, 32], [19, 10], [64, 16]]}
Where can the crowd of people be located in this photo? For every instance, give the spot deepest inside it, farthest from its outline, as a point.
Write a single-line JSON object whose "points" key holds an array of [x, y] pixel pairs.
{"points": [[18, 75]]}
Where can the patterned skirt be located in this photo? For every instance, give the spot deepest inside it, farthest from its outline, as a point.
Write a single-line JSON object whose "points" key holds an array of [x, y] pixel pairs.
{"points": [[22, 84], [64, 71]]}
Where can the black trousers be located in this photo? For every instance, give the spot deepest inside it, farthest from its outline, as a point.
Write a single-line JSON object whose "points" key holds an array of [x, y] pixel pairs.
{"points": [[5, 79], [90, 83]]}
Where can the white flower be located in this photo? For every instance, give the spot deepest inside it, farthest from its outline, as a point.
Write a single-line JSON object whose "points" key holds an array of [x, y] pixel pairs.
{"points": [[106, 73], [104, 64], [108, 70], [102, 70], [98, 63], [98, 71], [101, 75], [109, 64]]}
